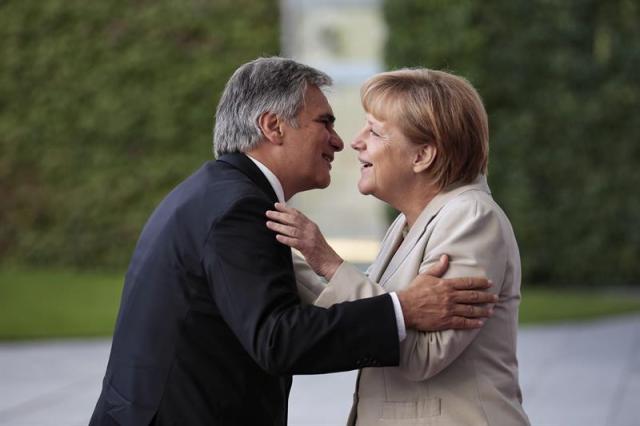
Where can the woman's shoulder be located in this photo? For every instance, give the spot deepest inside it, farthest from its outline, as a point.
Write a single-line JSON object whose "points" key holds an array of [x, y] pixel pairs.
{"points": [[471, 201], [471, 206]]}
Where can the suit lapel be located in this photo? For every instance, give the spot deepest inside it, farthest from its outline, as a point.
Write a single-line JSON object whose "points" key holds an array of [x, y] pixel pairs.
{"points": [[246, 166], [390, 245], [419, 228]]}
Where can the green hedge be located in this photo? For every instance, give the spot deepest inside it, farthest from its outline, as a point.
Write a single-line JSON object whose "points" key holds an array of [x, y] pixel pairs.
{"points": [[561, 84], [105, 105]]}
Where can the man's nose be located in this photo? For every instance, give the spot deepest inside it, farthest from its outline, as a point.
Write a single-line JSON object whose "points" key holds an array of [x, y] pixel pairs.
{"points": [[336, 142]]}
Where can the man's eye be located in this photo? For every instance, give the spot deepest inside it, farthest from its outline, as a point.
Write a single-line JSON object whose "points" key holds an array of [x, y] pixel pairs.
{"points": [[374, 133]]}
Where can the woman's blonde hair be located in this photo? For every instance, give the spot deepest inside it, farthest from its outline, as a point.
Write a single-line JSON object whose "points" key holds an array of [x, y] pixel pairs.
{"points": [[434, 107]]}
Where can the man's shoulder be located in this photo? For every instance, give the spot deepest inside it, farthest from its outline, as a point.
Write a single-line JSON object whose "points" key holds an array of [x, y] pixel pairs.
{"points": [[208, 192], [217, 182], [212, 192]]}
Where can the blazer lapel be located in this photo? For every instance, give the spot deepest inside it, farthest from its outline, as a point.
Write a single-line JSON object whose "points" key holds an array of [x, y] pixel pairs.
{"points": [[419, 228], [246, 166], [390, 244]]}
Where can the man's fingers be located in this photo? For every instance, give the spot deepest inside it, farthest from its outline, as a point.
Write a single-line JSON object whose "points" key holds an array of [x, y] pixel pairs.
{"points": [[471, 311], [439, 268], [462, 323], [470, 296], [470, 283]]}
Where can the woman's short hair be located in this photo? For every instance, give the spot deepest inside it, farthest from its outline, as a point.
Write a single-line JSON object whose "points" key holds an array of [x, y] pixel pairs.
{"points": [[434, 107]]}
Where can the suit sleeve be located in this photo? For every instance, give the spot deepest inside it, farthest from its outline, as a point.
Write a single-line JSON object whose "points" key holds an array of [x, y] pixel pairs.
{"points": [[251, 279], [471, 235]]}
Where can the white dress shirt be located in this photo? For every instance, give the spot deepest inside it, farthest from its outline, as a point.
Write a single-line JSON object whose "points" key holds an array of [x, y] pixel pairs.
{"points": [[277, 188]]}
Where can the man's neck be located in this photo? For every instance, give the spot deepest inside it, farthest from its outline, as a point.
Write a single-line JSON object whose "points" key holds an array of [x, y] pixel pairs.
{"points": [[271, 176]]}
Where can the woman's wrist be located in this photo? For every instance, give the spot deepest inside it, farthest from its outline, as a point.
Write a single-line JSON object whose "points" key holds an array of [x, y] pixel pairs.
{"points": [[330, 267]]}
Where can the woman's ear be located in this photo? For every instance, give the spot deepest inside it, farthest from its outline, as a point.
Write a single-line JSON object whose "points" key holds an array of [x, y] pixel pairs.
{"points": [[424, 157], [271, 127]]}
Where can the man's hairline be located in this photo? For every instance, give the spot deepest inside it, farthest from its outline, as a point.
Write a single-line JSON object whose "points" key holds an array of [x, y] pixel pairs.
{"points": [[324, 88]]}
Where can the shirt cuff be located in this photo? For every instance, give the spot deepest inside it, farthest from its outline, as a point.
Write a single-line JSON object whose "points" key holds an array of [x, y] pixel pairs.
{"points": [[402, 330]]}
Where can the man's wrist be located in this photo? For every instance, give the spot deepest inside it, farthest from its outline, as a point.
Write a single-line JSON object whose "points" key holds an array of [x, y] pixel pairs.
{"points": [[404, 305]]}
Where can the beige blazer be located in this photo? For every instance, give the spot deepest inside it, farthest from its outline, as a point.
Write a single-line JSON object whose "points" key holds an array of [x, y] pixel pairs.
{"points": [[450, 377]]}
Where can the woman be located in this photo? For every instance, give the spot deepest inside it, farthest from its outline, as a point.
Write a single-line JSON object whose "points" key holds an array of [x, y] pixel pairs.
{"points": [[424, 150]]}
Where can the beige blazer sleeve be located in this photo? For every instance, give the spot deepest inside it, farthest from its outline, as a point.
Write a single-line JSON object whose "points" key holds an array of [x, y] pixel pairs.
{"points": [[469, 232], [309, 284]]}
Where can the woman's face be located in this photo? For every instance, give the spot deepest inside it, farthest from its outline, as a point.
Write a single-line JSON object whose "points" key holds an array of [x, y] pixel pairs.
{"points": [[386, 160]]}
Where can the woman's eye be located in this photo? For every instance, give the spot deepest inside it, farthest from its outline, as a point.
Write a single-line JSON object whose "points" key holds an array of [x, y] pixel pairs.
{"points": [[371, 131]]}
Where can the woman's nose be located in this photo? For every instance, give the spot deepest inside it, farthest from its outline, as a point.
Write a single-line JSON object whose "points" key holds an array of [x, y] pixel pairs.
{"points": [[357, 142]]}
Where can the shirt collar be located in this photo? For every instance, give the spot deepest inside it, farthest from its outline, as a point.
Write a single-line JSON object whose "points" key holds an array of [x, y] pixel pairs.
{"points": [[273, 179]]}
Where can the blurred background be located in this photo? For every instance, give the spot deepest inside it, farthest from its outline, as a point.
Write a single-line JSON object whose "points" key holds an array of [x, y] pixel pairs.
{"points": [[105, 106]]}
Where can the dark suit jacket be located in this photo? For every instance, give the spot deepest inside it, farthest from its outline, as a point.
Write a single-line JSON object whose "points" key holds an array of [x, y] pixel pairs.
{"points": [[210, 326]]}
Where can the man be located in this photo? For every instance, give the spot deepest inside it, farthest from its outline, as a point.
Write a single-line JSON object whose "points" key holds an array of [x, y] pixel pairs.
{"points": [[211, 327]]}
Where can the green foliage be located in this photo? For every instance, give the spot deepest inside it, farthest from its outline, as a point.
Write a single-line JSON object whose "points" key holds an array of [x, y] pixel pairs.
{"points": [[104, 106], [547, 305], [44, 303], [39, 303], [561, 85]]}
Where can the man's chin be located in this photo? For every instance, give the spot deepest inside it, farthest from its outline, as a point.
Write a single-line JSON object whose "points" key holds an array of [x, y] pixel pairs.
{"points": [[323, 182], [317, 184]]}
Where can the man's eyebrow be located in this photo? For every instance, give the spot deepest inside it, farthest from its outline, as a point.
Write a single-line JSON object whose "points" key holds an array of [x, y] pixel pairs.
{"points": [[328, 117]]}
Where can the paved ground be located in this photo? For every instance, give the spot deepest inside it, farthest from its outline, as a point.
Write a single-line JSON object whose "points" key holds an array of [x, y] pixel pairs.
{"points": [[585, 374]]}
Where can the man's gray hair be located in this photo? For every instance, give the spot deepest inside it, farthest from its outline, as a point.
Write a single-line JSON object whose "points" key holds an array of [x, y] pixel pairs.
{"points": [[275, 85]]}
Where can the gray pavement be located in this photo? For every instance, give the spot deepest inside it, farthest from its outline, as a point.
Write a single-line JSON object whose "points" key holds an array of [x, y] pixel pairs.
{"points": [[583, 374]]}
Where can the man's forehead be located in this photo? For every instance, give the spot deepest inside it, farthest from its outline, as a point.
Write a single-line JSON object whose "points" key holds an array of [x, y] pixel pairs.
{"points": [[316, 102]]}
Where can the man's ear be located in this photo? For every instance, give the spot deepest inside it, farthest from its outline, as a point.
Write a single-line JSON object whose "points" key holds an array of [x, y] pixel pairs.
{"points": [[271, 127], [424, 157]]}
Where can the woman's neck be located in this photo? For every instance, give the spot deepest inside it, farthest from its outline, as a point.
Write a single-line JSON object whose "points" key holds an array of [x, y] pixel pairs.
{"points": [[414, 200]]}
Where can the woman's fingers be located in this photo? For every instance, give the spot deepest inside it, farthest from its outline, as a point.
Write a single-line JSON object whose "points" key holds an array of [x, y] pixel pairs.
{"points": [[289, 212], [287, 215], [287, 235], [295, 230], [286, 230], [288, 241], [284, 208], [286, 218]]}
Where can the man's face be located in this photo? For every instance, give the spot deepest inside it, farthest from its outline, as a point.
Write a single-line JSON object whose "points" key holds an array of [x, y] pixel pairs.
{"points": [[312, 145]]}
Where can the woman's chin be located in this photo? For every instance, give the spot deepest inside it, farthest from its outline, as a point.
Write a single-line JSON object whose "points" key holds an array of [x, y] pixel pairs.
{"points": [[364, 190]]}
